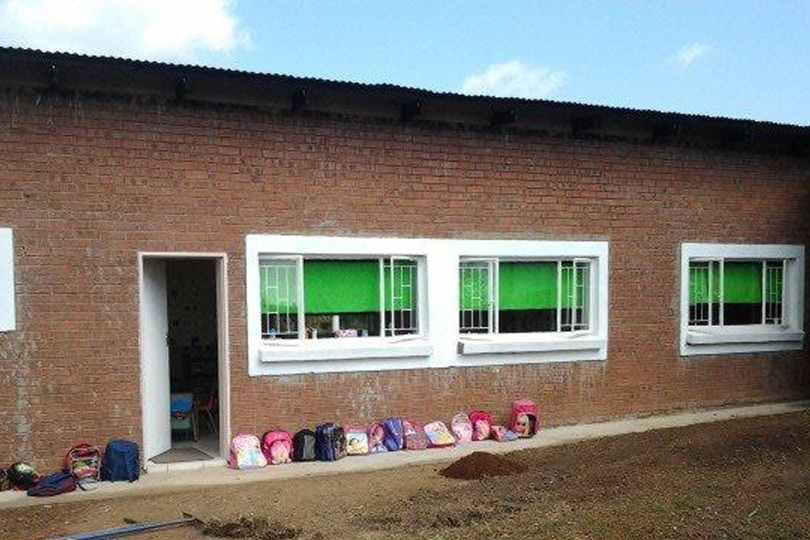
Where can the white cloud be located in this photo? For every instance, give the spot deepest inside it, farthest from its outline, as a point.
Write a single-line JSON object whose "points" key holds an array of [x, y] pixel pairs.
{"points": [[689, 54], [176, 30], [515, 79]]}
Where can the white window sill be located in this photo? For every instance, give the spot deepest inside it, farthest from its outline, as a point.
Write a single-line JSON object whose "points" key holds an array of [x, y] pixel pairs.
{"points": [[282, 350], [528, 343], [742, 335]]}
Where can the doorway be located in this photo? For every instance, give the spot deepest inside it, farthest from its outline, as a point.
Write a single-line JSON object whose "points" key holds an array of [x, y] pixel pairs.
{"points": [[184, 362]]}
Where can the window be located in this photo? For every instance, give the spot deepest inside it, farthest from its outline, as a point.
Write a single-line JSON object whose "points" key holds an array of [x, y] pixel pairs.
{"points": [[316, 298], [7, 309], [734, 293], [523, 296], [741, 298]]}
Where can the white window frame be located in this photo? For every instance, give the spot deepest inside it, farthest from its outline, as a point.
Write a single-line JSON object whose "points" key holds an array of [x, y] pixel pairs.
{"points": [[439, 344], [301, 355], [721, 339], [567, 345], [8, 318], [493, 301]]}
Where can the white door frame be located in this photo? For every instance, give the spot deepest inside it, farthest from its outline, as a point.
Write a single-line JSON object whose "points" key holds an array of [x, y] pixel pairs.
{"points": [[223, 367]]}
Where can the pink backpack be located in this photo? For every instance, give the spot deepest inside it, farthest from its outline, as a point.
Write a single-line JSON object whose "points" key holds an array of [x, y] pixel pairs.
{"points": [[246, 453], [524, 418], [462, 428], [482, 424], [415, 438], [376, 439], [277, 447]]}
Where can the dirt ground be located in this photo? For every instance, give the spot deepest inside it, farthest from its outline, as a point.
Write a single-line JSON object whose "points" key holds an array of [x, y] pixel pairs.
{"points": [[738, 479]]}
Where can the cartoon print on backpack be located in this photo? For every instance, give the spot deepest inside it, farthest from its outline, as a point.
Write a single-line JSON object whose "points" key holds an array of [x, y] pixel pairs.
{"points": [[524, 418], [356, 441], [462, 428], [277, 447], [376, 439], [481, 425], [246, 453]]}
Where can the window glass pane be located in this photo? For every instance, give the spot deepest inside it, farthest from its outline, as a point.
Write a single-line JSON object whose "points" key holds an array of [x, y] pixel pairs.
{"points": [[527, 296], [742, 293], [401, 296], [475, 297], [704, 293], [279, 293], [774, 292], [575, 296], [342, 297]]}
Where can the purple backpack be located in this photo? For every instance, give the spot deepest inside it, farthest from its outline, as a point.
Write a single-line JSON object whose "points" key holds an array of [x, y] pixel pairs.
{"points": [[394, 434]]}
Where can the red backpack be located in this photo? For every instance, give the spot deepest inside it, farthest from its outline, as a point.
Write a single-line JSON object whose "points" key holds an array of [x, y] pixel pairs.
{"points": [[83, 462], [481, 424], [524, 418], [277, 447]]}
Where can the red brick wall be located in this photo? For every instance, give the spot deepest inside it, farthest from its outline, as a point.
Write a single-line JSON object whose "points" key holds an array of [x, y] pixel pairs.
{"points": [[86, 182]]}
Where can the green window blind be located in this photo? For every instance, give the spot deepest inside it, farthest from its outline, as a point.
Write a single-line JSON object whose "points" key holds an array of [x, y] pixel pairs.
{"points": [[341, 286], [742, 282], [527, 285]]}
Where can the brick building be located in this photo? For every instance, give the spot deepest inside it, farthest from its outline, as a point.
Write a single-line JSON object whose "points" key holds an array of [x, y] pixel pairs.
{"points": [[290, 251]]}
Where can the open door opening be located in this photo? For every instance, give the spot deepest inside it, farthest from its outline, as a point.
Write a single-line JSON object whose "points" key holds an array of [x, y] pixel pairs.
{"points": [[182, 365]]}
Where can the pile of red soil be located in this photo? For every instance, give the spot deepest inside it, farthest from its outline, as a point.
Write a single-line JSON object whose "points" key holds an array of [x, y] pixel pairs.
{"points": [[480, 465]]}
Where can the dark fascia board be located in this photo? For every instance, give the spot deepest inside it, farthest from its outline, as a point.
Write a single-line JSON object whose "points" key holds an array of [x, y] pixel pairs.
{"points": [[66, 72]]}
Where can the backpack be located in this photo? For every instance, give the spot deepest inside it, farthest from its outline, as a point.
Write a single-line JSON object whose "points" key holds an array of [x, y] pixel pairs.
{"points": [[121, 462], [304, 446], [501, 434], [53, 484], [246, 453], [438, 435], [524, 418], [482, 425], [376, 439], [356, 442], [462, 428], [83, 461], [394, 434], [22, 475], [277, 447], [330, 442], [415, 438]]}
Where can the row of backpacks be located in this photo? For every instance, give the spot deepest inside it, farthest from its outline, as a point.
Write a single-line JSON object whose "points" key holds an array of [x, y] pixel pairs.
{"points": [[83, 464], [331, 441]]}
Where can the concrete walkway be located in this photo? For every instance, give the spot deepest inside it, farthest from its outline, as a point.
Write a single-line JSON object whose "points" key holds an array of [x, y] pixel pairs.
{"points": [[176, 481]]}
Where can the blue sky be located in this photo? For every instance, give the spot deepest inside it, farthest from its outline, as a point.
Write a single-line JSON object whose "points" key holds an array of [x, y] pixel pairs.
{"points": [[738, 59]]}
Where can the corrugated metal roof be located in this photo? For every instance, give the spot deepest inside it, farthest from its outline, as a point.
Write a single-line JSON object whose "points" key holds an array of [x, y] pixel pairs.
{"points": [[506, 101]]}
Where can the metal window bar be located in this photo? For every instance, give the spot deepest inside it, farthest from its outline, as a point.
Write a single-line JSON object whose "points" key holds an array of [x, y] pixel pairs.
{"points": [[773, 292], [477, 289], [404, 302], [281, 289], [700, 286], [574, 275]]}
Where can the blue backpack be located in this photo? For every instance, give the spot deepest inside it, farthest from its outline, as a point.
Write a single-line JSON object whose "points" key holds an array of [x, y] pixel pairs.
{"points": [[53, 484], [121, 462], [330, 442], [394, 434]]}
